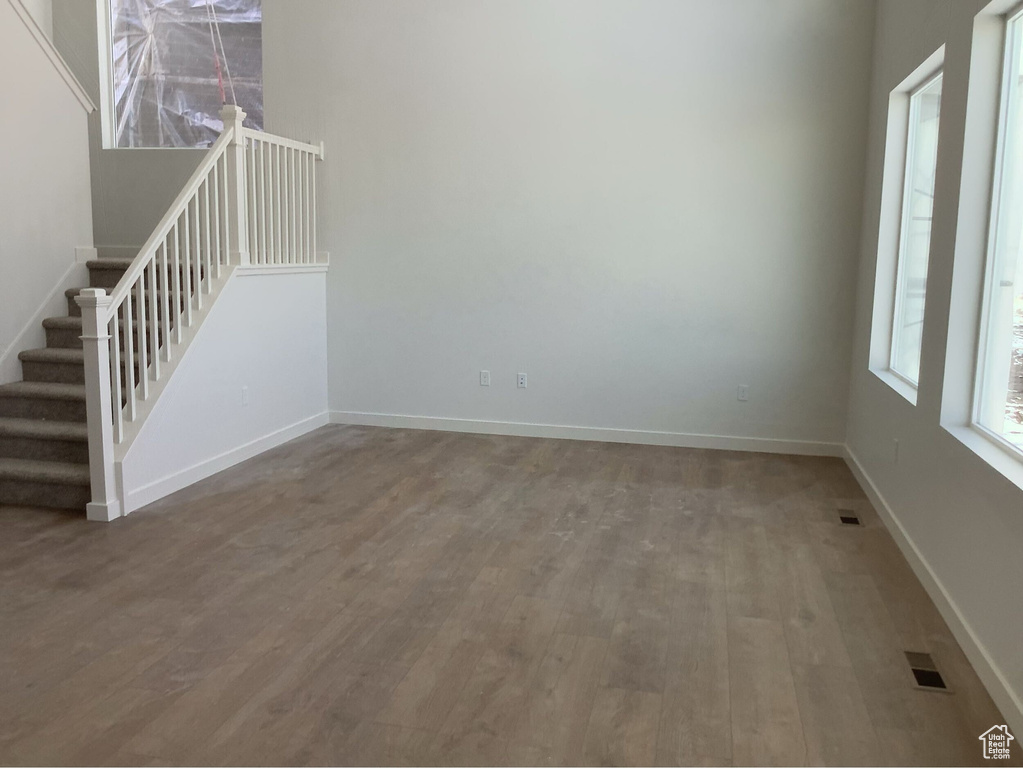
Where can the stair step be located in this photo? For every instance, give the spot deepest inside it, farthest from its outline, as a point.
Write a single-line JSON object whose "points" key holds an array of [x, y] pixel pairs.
{"points": [[59, 365], [53, 364], [106, 273], [109, 263], [39, 440], [43, 400], [57, 484], [70, 431], [66, 322], [73, 309], [63, 322], [48, 355], [76, 311], [58, 472], [65, 332]]}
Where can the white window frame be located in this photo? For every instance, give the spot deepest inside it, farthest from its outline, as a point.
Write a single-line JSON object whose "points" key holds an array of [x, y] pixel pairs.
{"points": [[1011, 49], [106, 75], [980, 178], [895, 193]]}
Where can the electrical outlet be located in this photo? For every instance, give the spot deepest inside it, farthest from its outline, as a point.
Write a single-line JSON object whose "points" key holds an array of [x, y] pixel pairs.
{"points": [[484, 378], [245, 395], [522, 381], [743, 393]]}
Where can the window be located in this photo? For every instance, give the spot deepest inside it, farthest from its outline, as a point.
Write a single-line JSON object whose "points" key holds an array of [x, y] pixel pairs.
{"points": [[904, 227], [999, 388], [915, 234], [174, 63]]}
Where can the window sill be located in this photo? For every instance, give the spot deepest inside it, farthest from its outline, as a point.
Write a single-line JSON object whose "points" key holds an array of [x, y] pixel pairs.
{"points": [[1005, 460], [157, 149], [896, 382]]}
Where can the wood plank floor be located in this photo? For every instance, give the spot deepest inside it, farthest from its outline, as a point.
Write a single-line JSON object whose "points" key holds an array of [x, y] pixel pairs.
{"points": [[370, 596]]}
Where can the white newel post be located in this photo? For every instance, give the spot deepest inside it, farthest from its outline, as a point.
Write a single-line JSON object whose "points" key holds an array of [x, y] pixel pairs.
{"points": [[237, 209], [95, 306]]}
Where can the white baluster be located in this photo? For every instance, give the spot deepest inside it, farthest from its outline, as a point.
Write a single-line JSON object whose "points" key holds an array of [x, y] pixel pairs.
{"points": [[217, 256], [165, 297], [140, 299], [154, 321], [116, 395], [279, 253], [294, 206], [263, 218], [129, 359], [186, 270], [175, 296], [197, 261], [302, 232], [285, 214], [207, 258]]}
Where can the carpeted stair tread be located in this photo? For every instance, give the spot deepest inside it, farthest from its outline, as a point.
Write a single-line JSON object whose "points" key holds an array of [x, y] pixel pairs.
{"points": [[69, 322], [118, 264], [53, 355], [44, 430], [73, 323], [57, 472], [46, 390]]}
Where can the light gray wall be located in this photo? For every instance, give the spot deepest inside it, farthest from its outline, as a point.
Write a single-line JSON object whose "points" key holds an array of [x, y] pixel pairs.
{"points": [[44, 189], [640, 204], [964, 518], [42, 12], [266, 334], [131, 189]]}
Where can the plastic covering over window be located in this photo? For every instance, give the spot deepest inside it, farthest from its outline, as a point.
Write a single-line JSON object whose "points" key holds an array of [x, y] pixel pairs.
{"points": [[177, 62]]}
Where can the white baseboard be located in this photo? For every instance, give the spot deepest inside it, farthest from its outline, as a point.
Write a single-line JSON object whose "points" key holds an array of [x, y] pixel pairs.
{"points": [[599, 434], [32, 334], [117, 251], [987, 670], [138, 497]]}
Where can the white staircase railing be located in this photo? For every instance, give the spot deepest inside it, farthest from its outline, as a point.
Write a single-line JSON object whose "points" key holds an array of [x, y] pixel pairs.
{"points": [[280, 182], [252, 200]]}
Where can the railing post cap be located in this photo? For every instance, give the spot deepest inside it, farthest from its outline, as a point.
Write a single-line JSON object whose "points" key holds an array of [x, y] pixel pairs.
{"points": [[232, 112], [92, 297]]}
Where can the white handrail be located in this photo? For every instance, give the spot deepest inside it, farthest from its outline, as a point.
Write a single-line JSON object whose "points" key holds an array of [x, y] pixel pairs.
{"points": [[148, 251]]}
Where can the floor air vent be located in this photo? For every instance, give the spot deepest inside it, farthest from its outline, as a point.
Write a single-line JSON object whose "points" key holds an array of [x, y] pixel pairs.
{"points": [[925, 672], [847, 517]]}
